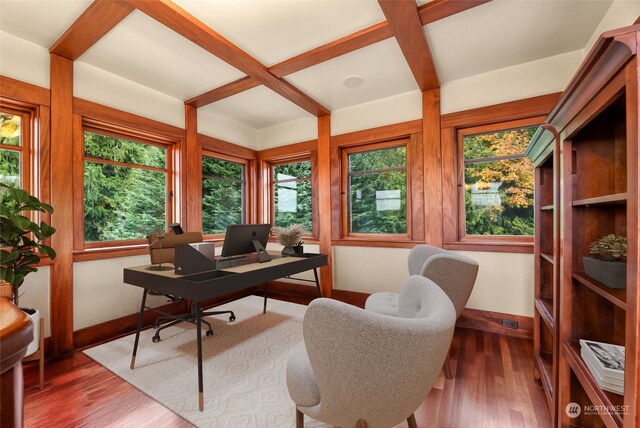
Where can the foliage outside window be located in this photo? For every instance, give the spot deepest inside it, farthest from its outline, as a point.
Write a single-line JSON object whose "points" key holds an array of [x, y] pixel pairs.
{"points": [[498, 183], [292, 194], [377, 191], [125, 188], [223, 194], [11, 149]]}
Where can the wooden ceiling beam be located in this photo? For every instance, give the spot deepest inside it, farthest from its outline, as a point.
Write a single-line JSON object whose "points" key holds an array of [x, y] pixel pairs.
{"points": [[439, 9], [429, 12], [406, 26], [183, 23], [96, 21], [223, 92]]}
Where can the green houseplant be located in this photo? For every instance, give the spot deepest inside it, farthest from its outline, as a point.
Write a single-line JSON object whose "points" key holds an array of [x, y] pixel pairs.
{"points": [[608, 262], [20, 237]]}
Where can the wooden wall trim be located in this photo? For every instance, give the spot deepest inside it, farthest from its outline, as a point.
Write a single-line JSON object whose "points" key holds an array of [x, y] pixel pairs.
{"points": [[96, 21], [439, 9], [114, 116], [62, 200], [381, 133], [288, 151], [191, 162], [220, 146], [23, 91], [512, 110], [433, 202], [324, 202]]}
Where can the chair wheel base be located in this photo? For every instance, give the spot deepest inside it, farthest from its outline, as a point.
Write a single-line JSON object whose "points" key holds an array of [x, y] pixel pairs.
{"points": [[209, 333], [232, 318], [155, 339]]}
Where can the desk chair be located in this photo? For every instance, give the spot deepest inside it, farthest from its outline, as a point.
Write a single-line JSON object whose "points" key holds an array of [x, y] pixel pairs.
{"points": [[364, 369], [164, 252], [454, 273]]}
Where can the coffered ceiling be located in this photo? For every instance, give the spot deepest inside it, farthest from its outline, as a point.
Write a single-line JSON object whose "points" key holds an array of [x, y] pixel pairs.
{"points": [[303, 58]]}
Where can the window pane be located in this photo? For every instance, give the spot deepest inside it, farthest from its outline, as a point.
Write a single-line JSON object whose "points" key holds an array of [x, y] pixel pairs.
{"points": [[121, 150], [378, 159], [499, 197], [292, 204], [122, 202], [378, 203], [10, 129], [212, 167], [292, 170], [10, 167], [222, 194], [502, 143]]}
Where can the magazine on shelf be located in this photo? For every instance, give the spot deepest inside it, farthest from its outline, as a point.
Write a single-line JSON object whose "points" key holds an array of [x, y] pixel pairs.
{"points": [[608, 357], [606, 383]]}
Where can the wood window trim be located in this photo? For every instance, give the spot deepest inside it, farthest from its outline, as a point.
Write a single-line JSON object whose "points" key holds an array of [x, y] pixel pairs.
{"points": [[27, 101], [121, 248], [456, 237], [344, 152], [247, 203], [286, 154]]}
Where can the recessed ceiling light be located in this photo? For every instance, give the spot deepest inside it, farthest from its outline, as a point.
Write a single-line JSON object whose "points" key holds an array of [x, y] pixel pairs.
{"points": [[352, 81]]}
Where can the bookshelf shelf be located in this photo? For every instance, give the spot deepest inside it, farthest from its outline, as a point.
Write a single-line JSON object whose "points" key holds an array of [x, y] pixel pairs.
{"points": [[617, 297], [615, 199]]}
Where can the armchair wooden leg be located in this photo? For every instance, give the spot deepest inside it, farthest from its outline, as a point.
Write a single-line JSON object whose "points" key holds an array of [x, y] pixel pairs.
{"points": [[447, 369], [361, 423], [411, 420], [299, 419]]}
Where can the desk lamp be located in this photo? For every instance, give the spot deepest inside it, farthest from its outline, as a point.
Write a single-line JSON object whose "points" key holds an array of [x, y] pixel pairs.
{"points": [[177, 230]]}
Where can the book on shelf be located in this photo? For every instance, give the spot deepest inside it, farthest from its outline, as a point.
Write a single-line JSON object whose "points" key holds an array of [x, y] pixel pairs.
{"points": [[605, 361]]}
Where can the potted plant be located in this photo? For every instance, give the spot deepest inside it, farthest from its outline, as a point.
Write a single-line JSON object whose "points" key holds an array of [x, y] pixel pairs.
{"points": [[21, 243], [608, 264], [289, 237]]}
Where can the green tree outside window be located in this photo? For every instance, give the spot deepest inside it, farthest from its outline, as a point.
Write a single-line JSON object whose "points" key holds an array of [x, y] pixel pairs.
{"points": [[223, 190], [292, 194], [10, 149], [377, 188], [125, 188], [498, 183]]}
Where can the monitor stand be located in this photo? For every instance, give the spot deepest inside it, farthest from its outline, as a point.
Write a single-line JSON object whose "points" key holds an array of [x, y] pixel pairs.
{"points": [[263, 256]]}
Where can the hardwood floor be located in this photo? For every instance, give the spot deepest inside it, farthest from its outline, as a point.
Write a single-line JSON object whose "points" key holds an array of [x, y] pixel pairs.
{"points": [[493, 386]]}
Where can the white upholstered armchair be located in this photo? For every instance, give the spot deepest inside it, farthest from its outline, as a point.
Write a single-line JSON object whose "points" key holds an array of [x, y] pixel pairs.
{"points": [[454, 273], [360, 368]]}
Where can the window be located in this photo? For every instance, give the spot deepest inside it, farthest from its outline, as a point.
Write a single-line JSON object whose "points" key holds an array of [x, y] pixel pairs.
{"points": [[376, 189], [127, 191], [292, 194], [498, 183], [14, 148], [223, 194]]}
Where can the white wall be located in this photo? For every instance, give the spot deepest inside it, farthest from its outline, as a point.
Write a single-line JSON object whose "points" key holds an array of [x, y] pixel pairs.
{"points": [[99, 295], [35, 293], [296, 131], [621, 13], [23, 60], [226, 129]]}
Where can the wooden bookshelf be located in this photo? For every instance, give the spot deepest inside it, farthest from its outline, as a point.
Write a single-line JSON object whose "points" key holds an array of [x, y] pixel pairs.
{"points": [[595, 169]]}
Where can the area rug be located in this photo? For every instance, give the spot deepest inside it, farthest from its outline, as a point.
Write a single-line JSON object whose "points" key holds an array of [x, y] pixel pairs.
{"points": [[244, 366]]}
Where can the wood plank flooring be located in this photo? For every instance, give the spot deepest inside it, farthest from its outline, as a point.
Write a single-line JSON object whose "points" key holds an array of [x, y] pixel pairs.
{"points": [[493, 386]]}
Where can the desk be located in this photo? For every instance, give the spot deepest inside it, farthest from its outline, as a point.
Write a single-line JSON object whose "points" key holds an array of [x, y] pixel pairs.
{"points": [[232, 275]]}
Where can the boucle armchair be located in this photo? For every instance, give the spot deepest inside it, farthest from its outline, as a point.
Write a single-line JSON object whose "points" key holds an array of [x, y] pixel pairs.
{"points": [[360, 368], [454, 273]]}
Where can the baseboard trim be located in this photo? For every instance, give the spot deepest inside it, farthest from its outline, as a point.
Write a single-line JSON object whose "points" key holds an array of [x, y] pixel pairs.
{"points": [[113, 329], [491, 322]]}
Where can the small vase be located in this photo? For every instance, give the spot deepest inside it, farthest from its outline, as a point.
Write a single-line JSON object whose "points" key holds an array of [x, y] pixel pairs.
{"points": [[287, 251]]}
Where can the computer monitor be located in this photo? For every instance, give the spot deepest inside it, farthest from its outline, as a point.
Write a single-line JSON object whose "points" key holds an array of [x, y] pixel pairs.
{"points": [[239, 239]]}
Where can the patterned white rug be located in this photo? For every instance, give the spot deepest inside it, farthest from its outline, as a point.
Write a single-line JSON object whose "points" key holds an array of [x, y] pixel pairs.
{"points": [[244, 366]]}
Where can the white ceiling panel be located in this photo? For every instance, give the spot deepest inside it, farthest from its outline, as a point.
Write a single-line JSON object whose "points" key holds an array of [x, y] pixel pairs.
{"points": [[144, 51], [40, 21], [381, 66], [275, 30], [503, 33], [258, 108]]}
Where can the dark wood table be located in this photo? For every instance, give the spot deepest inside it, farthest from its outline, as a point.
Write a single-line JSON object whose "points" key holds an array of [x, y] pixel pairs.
{"points": [[231, 275]]}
